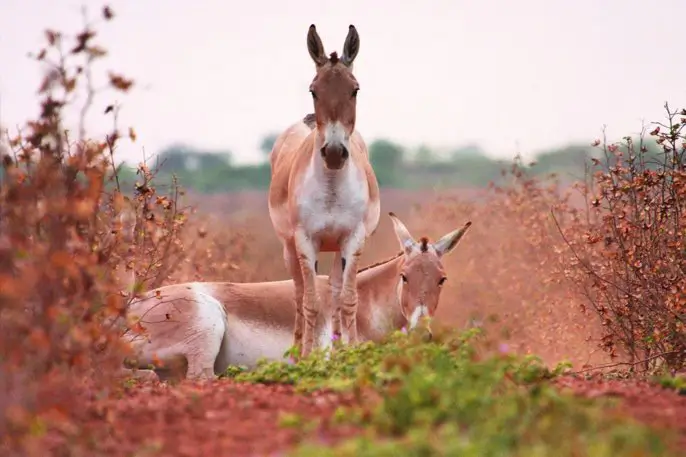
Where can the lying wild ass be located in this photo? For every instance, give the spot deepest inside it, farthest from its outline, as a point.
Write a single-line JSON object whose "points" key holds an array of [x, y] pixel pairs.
{"points": [[323, 195], [216, 324]]}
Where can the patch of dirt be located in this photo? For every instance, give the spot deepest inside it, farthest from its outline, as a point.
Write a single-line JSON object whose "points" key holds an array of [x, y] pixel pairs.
{"points": [[234, 419], [649, 403], [221, 418]]}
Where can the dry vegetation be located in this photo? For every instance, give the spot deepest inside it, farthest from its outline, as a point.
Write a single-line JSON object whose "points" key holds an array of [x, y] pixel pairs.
{"points": [[594, 276]]}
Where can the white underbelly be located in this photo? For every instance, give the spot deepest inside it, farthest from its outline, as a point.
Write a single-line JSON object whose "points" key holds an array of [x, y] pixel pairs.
{"points": [[247, 343]]}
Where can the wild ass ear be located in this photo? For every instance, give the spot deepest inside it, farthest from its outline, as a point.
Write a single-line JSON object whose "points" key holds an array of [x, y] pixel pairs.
{"points": [[315, 47], [448, 242], [351, 46], [407, 243]]}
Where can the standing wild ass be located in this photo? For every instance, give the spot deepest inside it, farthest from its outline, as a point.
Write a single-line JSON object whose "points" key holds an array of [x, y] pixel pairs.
{"points": [[323, 195], [211, 325]]}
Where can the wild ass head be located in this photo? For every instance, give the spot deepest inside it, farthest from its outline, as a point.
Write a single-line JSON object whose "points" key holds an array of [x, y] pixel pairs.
{"points": [[422, 275], [334, 92]]}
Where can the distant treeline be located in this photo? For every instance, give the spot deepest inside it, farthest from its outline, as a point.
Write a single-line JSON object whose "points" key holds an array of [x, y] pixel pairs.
{"points": [[394, 165]]}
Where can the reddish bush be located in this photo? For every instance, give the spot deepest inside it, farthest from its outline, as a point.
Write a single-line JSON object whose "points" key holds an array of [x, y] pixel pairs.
{"points": [[61, 239], [627, 248]]}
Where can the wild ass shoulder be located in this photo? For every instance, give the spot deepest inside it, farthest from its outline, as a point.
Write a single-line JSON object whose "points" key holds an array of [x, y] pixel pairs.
{"points": [[323, 194], [211, 325]]}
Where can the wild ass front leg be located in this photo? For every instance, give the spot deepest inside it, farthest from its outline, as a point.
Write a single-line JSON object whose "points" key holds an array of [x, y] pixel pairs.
{"points": [[290, 256], [307, 255], [336, 283], [351, 250]]}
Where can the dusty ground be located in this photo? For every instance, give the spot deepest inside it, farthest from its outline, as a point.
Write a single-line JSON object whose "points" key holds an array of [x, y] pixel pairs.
{"points": [[221, 418], [233, 419], [650, 404]]}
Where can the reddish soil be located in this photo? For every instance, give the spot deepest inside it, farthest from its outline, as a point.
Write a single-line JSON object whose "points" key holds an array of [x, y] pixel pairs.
{"points": [[232, 419], [222, 418], [648, 403]]}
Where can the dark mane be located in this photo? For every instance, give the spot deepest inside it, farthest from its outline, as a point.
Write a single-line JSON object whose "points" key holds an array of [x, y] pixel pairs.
{"points": [[310, 120], [424, 244], [369, 267], [333, 58]]}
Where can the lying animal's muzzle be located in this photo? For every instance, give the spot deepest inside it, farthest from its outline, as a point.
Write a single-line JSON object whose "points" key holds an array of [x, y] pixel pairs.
{"points": [[421, 323]]}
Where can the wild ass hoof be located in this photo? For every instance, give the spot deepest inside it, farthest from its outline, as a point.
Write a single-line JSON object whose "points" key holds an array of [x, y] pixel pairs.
{"points": [[203, 375], [336, 341]]}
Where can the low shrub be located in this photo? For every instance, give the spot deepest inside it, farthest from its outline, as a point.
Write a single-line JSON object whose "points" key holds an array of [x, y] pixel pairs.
{"points": [[447, 397]]}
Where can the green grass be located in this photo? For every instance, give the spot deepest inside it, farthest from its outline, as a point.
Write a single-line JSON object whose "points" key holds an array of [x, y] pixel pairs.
{"points": [[443, 398], [676, 383]]}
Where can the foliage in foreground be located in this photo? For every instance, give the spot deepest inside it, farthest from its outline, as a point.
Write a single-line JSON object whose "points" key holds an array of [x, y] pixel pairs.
{"points": [[68, 243], [447, 398]]}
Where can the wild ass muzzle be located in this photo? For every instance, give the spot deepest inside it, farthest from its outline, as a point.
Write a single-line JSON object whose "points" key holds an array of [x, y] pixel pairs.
{"points": [[323, 195], [210, 326]]}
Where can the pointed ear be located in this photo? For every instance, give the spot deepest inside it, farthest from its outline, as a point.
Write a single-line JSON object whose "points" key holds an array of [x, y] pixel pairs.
{"points": [[448, 242], [351, 46], [315, 47], [407, 243]]}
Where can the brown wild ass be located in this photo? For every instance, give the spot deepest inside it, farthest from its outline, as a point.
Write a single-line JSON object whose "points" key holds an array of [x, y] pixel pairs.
{"points": [[216, 324], [323, 195]]}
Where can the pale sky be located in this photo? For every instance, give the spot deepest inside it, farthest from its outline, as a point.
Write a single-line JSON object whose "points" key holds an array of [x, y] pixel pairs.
{"points": [[510, 75]]}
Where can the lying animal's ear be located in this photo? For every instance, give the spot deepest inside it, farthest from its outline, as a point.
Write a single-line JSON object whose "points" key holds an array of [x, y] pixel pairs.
{"points": [[448, 242], [407, 243]]}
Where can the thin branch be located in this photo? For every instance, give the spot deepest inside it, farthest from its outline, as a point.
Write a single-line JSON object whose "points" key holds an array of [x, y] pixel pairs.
{"points": [[629, 364]]}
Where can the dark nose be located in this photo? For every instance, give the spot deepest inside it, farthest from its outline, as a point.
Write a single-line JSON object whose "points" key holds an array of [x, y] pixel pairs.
{"points": [[338, 150], [334, 155]]}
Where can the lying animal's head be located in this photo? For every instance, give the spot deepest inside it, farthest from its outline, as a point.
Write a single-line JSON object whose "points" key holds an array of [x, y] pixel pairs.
{"points": [[422, 275]]}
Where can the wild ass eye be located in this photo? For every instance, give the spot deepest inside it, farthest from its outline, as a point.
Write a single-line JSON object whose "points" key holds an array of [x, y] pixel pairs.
{"points": [[404, 278], [314, 96], [355, 92], [442, 280]]}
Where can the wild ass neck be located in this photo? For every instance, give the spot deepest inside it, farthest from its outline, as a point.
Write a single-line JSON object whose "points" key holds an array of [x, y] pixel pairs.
{"points": [[379, 289], [332, 203], [333, 184]]}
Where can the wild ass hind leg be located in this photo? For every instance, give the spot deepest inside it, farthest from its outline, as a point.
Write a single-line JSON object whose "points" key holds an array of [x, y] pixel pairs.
{"points": [[203, 346], [336, 282], [290, 256], [351, 250], [307, 255], [130, 366], [200, 367]]}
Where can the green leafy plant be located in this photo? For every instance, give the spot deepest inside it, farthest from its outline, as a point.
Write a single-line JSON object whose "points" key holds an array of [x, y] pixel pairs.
{"points": [[677, 382], [447, 397]]}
